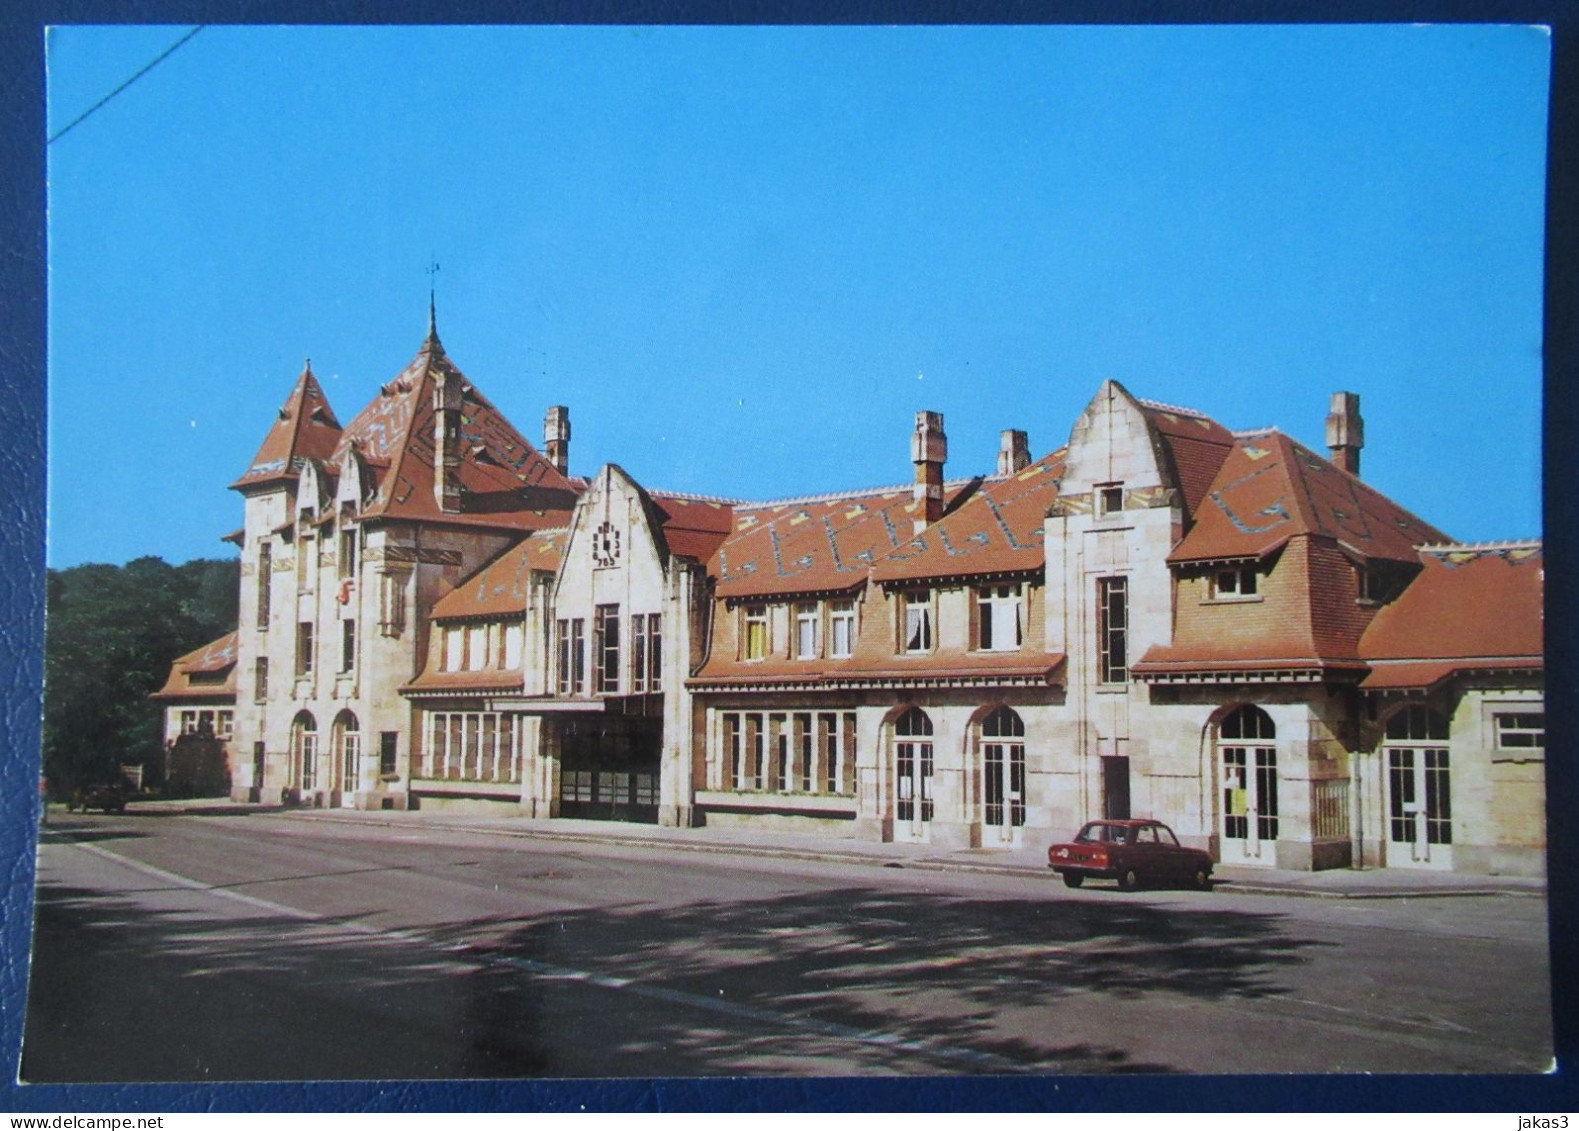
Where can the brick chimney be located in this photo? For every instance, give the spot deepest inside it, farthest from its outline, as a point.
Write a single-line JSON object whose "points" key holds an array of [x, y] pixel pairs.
{"points": [[928, 451], [1346, 432], [556, 438], [1014, 451], [447, 441]]}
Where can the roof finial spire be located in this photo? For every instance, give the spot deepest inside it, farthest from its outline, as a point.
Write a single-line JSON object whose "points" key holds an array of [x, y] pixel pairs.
{"points": [[433, 318]]}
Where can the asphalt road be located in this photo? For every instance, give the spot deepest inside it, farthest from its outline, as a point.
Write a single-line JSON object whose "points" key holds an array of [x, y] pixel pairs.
{"points": [[280, 947]]}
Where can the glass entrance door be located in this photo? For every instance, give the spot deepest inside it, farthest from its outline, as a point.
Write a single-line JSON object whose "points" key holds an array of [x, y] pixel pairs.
{"points": [[1419, 808], [913, 765]]}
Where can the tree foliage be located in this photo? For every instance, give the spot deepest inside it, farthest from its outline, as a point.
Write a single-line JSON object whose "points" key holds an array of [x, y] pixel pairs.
{"points": [[110, 636]]}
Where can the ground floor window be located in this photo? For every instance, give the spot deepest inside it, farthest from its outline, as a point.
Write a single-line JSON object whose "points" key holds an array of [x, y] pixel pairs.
{"points": [[913, 769], [789, 751], [472, 746], [1003, 768], [304, 750]]}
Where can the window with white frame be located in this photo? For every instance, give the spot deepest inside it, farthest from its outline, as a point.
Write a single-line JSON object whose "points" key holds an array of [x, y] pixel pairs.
{"points": [[225, 725], [571, 655], [788, 752], [807, 644], [454, 649], [646, 653], [1524, 730], [1112, 630], [477, 647], [999, 618], [841, 629], [1109, 499], [754, 633], [472, 746], [514, 636], [347, 646], [1235, 581], [917, 606], [606, 649], [260, 680]]}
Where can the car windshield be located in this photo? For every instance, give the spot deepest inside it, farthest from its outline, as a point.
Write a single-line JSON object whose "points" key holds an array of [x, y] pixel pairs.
{"points": [[1102, 834]]}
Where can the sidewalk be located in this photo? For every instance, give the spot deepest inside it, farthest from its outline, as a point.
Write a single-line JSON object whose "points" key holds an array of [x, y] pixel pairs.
{"points": [[1376, 883]]}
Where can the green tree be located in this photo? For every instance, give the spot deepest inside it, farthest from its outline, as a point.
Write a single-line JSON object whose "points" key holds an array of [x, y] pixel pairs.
{"points": [[110, 636]]}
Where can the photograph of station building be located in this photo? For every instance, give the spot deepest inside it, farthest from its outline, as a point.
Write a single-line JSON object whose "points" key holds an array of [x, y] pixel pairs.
{"points": [[1160, 617]]}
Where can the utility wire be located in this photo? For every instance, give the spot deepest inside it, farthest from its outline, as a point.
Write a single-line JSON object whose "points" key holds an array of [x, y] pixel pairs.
{"points": [[168, 51]]}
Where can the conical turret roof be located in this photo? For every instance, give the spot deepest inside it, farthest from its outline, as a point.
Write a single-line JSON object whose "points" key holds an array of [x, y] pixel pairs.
{"points": [[305, 429]]}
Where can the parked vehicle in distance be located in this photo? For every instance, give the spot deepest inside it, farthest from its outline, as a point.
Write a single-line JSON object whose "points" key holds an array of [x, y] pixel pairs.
{"points": [[1133, 852], [108, 796]]}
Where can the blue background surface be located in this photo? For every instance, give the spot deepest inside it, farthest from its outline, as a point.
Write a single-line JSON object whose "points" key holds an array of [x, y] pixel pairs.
{"points": [[22, 406]]}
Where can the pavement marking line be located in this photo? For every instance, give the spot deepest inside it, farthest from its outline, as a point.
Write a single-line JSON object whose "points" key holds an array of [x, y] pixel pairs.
{"points": [[468, 951]]}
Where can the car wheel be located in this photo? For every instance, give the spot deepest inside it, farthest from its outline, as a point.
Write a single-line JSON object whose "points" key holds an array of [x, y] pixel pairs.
{"points": [[1073, 879], [1128, 880], [1203, 880]]}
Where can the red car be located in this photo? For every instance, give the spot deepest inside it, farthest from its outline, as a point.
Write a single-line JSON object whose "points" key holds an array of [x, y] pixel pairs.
{"points": [[1131, 852]]}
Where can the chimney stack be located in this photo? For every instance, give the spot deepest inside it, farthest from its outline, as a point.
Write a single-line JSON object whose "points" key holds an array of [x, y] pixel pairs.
{"points": [[556, 438], [1014, 451], [447, 441], [928, 451], [1346, 432]]}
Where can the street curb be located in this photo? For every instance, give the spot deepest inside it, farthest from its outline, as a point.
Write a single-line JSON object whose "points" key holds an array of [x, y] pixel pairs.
{"points": [[1230, 887]]}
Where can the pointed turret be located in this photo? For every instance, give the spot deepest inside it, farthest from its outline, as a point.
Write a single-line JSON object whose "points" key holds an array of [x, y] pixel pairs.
{"points": [[305, 429]]}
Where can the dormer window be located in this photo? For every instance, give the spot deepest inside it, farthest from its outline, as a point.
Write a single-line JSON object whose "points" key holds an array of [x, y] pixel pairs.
{"points": [[1109, 499], [755, 635], [918, 621], [1235, 582], [998, 618], [806, 632]]}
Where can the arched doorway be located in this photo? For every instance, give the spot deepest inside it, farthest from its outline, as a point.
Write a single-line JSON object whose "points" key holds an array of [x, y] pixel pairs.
{"points": [[1003, 776], [304, 752], [912, 775], [1419, 789], [348, 757], [1247, 757]]}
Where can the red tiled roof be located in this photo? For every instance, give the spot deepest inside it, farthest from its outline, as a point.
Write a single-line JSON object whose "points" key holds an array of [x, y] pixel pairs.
{"points": [[505, 482], [694, 528], [1468, 604], [1196, 445], [433, 681], [500, 588], [211, 659], [306, 429], [872, 668], [818, 545], [1271, 488], [999, 529]]}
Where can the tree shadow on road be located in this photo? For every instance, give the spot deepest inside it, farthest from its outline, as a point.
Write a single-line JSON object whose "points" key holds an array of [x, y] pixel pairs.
{"points": [[850, 980]]}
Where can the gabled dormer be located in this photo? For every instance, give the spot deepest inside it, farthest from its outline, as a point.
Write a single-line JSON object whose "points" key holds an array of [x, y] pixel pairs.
{"points": [[611, 592]]}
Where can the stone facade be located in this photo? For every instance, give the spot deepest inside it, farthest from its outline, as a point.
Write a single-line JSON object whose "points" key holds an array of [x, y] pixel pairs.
{"points": [[1162, 618]]}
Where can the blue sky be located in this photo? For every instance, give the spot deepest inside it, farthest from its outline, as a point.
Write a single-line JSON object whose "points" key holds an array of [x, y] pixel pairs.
{"points": [[744, 257]]}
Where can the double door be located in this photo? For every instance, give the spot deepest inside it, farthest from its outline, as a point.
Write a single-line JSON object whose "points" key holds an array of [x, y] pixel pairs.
{"points": [[1419, 807], [1249, 808]]}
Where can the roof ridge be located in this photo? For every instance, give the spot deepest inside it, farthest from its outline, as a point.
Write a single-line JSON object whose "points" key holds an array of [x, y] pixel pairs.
{"points": [[835, 496], [1456, 547], [692, 497], [1163, 406]]}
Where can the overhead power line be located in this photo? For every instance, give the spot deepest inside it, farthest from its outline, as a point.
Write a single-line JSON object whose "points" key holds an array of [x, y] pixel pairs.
{"points": [[165, 54]]}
